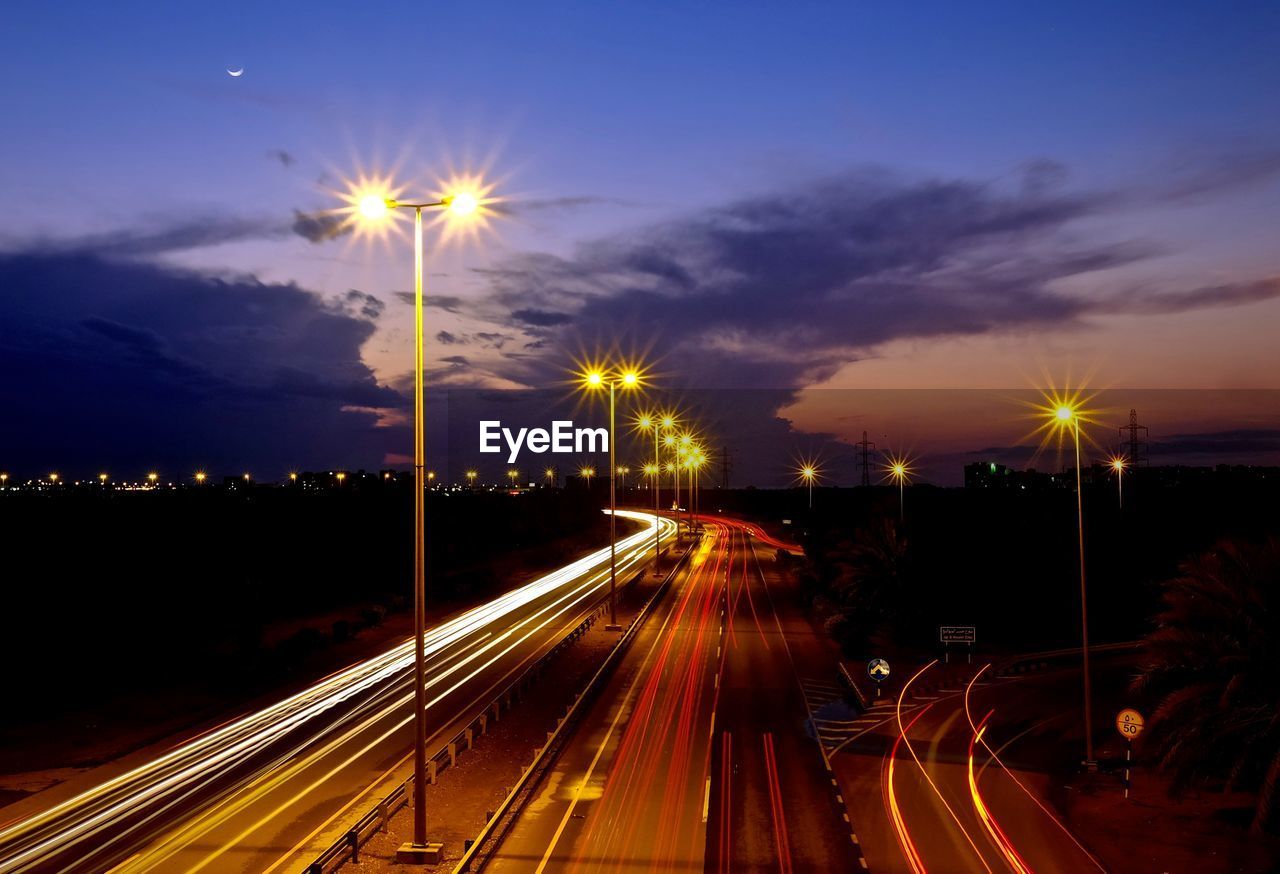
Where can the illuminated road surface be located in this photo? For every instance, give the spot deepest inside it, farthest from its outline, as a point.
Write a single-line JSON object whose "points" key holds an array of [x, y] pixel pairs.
{"points": [[939, 780], [253, 793], [640, 786]]}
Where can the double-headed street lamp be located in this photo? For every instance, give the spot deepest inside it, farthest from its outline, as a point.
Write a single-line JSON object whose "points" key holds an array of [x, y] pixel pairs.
{"points": [[375, 208], [595, 379], [657, 424]]}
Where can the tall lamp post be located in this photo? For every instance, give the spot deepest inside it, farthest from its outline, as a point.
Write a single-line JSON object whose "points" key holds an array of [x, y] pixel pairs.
{"points": [[375, 208], [648, 422], [1068, 416], [612, 379]]}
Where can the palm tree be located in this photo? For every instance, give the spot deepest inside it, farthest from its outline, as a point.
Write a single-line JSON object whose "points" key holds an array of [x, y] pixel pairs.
{"points": [[867, 584], [1212, 667]]}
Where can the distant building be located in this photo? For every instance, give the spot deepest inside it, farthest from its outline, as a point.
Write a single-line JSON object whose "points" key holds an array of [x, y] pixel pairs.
{"points": [[992, 475]]}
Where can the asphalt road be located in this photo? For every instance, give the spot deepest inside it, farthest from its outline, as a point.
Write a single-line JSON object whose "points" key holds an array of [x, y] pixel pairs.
{"points": [[259, 792], [696, 755], [950, 776]]}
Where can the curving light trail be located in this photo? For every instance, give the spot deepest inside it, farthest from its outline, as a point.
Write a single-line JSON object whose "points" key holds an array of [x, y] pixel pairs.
{"points": [[978, 737], [348, 712]]}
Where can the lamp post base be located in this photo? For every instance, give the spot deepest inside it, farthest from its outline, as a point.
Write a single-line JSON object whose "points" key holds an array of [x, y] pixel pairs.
{"points": [[613, 626], [420, 854]]}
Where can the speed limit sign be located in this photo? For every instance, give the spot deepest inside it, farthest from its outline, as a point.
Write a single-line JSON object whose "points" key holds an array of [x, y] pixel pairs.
{"points": [[1130, 723]]}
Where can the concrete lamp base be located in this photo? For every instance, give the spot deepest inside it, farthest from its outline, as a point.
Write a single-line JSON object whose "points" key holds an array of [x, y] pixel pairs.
{"points": [[613, 626], [420, 854]]}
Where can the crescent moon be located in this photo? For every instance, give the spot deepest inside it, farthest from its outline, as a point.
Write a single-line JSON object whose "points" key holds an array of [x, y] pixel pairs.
{"points": [[235, 74]]}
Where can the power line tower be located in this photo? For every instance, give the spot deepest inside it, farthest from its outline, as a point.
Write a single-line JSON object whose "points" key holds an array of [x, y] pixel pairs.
{"points": [[725, 466], [864, 458], [1136, 448]]}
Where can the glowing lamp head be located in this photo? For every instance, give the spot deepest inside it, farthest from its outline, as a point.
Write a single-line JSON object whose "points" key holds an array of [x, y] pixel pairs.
{"points": [[153, 476], [899, 470], [102, 477], [808, 472], [1064, 413], [668, 422], [463, 203], [200, 476], [374, 207], [630, 379], [594, 379], [1117, 464]]}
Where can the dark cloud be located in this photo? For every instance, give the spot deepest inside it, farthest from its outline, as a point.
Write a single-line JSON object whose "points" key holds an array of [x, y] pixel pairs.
{"points": [[128, 365], [492, 339], [363, 304], [556, 204], [1228, 295], [1221, 444], [784, 288], [447, 339], [541, 318], [447, 303], [284, 158], [1204, 174], [319, 227], [459, 360], [161, 238]]}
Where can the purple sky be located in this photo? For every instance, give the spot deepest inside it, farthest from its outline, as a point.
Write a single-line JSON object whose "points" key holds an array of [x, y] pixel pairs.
{"points": [[811, 200]]}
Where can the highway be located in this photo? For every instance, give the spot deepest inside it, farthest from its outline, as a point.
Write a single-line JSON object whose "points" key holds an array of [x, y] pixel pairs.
{"points": [[259, 792], [945, 777], [695, 757]]}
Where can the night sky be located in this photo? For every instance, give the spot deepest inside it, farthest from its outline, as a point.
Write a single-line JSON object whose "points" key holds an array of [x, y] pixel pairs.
{"points": [[803, 204]]}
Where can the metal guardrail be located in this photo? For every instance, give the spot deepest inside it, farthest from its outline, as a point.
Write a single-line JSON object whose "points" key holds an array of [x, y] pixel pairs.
{"points": [[347, 847], [1031, 661], [863, 703], [495, 830]]}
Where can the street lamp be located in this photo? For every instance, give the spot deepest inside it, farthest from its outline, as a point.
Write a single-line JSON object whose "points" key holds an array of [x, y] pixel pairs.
{"points": [[808, 473], [513, 475], [596, 378], [374, 208], [1066, 416], [1118, 464], [102, 478], [201, 476], [899, 470], [471, 478], [152, 478], [550, 475], [650, 422]]}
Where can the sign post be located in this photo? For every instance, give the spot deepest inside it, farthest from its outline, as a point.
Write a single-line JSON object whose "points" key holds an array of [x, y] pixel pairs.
{"points": [[878, 670], [950, 634], [1130, 724]]}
